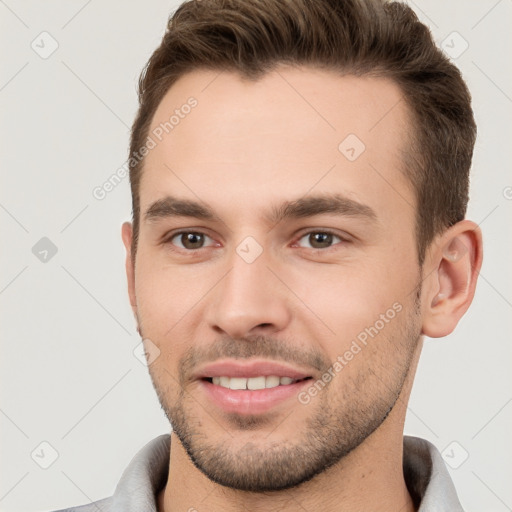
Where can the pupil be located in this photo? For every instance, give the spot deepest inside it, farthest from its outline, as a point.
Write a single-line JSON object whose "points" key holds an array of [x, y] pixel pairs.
{"points": [[192, 240], [319, 240]]}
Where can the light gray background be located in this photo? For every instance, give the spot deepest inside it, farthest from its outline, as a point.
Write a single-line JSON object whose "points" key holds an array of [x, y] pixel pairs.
{"points": [[69, 375]]}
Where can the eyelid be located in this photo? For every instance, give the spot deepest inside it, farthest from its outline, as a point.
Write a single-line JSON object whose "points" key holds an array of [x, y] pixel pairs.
{"points": [[168, 237], [345, 237]]}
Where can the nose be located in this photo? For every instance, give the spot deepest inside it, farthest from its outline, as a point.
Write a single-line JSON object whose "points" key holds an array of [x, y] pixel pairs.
{"points": [[249, 300]]}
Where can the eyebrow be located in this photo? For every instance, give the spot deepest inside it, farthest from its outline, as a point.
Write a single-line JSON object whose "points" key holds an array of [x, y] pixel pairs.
{"points": [[303, 207], [173, 207], [319, 205]]}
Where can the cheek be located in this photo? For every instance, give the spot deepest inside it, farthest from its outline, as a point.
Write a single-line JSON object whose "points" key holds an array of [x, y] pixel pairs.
{"points": [[160, 297], [341, 301], [169, 298], [363, 282]]}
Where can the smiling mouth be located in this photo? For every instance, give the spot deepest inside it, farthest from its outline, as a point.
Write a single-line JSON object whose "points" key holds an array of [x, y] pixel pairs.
{"points": [[253, 383]]}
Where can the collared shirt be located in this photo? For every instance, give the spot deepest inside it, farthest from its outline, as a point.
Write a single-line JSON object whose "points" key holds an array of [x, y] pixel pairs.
{"points": [[425, 474]]}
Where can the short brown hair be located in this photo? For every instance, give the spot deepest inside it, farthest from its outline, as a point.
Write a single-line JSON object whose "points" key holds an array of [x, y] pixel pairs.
{"points": [[357, 37]]}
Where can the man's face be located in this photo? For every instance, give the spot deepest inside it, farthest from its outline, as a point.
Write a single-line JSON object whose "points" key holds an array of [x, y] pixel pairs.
{"points": [[300, 251]]}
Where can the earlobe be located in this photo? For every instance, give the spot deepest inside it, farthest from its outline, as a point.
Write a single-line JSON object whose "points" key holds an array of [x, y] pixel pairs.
{"points": [[456, 259]]}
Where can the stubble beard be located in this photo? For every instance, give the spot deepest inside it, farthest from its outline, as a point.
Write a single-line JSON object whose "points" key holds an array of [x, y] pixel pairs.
{"points": [[341, 421]]}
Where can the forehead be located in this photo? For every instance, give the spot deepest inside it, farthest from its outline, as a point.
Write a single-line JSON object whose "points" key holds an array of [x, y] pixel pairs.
{"points": [[219, 136]]}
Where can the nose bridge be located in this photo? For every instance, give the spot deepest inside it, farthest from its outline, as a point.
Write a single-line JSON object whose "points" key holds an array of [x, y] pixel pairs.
{"points": [[248, 297]]}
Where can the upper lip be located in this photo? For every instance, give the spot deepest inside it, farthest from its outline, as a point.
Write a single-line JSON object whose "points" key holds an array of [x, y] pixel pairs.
{"points": [[233, 368]]}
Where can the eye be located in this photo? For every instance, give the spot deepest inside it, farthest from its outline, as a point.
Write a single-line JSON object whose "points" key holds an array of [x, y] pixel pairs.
{"points": [[320, 239], [190, 240]]}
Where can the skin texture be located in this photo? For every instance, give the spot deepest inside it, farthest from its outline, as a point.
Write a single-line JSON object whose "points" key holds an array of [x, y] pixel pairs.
{"points": [[248, 147]]}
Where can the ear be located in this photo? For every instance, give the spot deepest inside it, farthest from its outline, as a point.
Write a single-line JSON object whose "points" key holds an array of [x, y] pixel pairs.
{"points": [[127, 235], [452, 267]]}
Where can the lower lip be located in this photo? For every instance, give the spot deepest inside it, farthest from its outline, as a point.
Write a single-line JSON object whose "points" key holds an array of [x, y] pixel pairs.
{"points": [[251, 402]]}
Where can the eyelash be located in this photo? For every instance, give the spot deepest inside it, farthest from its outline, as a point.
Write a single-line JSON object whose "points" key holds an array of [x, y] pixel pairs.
{"points": [[168, 240]]}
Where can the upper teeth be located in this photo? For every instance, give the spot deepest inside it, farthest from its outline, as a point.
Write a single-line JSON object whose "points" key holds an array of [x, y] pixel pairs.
{"points": [[252, 382]]}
